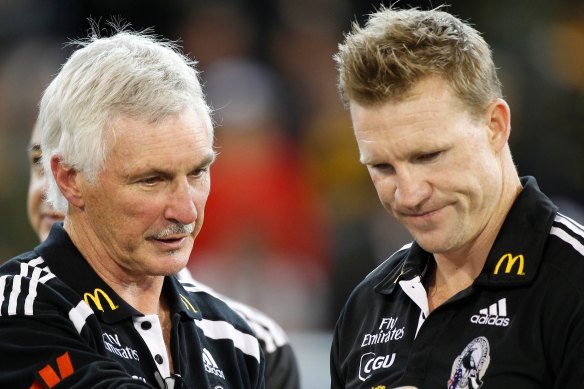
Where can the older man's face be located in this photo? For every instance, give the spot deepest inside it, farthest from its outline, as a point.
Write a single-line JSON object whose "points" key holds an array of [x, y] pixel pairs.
{"points": [[146, 207]]}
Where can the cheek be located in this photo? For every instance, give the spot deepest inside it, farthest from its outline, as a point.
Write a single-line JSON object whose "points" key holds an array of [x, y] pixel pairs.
{"points": [[34, 199], [202, 194], [385, 190], [201, 201]]}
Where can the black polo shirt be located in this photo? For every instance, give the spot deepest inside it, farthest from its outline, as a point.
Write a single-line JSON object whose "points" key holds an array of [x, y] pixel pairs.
{"points": [[281, 370], [62, 326], [519, 325]]}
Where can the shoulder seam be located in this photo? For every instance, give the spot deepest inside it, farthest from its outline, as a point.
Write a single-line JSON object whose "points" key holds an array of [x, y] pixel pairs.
{"points": [[39, 275], [264, 327], [404, 247], [569, 231]]}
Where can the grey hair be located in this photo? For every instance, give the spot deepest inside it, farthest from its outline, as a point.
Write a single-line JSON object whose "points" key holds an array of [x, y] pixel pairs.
{"points": [[128, 73]]}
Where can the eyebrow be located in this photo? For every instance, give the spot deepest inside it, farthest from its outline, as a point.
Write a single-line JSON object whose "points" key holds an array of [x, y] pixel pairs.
{"points": [[205, 162], [209, 159], [35, 147]]}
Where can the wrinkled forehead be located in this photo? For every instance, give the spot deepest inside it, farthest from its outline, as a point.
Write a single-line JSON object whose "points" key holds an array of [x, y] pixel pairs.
{"points": [[132, 123], [188, 123], [156, 116]]}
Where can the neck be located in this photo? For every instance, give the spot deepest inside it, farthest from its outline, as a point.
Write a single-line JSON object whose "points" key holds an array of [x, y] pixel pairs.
{"points": [[142, 292], [456, 270]]}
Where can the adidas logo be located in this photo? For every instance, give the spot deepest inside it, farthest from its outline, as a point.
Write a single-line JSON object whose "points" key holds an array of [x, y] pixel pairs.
{"points": [[494, 315], [211, 365]]}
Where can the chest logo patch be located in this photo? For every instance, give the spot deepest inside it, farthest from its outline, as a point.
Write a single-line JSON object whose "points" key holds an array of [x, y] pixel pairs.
{"points": [[210, 364], [386, 332], [371, 362], [470, 366], [493, 315], [96, 297], [113, 345], [510, 260]]}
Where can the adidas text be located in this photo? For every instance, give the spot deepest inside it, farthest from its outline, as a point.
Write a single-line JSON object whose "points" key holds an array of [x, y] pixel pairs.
{"points": [[494, 315], [490, 320]]}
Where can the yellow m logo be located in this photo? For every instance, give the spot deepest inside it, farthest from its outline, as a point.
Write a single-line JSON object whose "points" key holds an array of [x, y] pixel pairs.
{"points": [[97, 301], [510, 263], [187, 303]]}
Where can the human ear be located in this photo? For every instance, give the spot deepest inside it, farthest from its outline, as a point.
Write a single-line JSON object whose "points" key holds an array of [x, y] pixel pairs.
{"points": [[68, 181], [499, 123]]}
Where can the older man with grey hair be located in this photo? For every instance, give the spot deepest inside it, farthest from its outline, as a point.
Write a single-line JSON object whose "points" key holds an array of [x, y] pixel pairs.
{"points": [[127, 144]]}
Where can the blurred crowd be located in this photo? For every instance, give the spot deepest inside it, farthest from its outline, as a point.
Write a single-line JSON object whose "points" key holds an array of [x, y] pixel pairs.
{"points": [[293, 223]]}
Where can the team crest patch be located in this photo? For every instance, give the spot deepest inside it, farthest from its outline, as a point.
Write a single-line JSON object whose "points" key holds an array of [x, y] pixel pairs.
{"points": [[470, 366]]}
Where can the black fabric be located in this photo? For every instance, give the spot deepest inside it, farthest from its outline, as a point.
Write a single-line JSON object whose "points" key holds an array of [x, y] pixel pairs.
{"points": [[281, 370], [519, 325], [56, 312]]}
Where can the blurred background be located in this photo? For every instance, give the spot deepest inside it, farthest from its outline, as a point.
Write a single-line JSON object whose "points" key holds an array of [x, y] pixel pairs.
{"points": [[293, 222]]}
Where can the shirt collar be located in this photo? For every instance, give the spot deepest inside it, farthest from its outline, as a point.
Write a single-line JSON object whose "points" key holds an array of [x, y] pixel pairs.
{"points": [[179, 300], [416, 263], [515, 256], [67, 263]]}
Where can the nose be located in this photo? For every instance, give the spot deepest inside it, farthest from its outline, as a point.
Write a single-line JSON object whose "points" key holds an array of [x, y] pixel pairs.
{"points": [[411, 190], [181, 203]]}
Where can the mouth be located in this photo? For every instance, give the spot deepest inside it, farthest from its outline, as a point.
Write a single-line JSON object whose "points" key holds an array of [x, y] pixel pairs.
{"points": [[170, 242], [173, 237], [421, 218], [422, 214]]}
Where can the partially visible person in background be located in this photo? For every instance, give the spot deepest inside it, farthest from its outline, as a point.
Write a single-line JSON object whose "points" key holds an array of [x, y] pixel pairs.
{"points": [[281, 365], [41, 215], [489, 293]]}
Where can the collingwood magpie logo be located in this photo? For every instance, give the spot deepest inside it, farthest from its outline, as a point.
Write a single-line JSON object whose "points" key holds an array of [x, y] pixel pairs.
{"points": [[471, 365], [210, 364], [494, 315]]}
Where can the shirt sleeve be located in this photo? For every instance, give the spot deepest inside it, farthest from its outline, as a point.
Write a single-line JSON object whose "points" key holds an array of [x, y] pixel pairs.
{"points": [[41, 346], [48, 353], [564, 342], [337, 381]]}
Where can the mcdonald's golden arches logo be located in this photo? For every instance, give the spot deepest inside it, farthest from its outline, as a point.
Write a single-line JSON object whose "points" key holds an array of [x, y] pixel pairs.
{"points": [[95, 297], [511, 260], [187, 304]]}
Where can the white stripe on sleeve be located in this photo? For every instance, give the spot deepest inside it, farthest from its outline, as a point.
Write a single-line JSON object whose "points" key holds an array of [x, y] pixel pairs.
{"points": [[247, 343], [79, 314]]}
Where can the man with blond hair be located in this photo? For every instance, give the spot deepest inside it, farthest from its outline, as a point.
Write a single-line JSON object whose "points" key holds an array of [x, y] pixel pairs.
{"points": [[489, 293]]}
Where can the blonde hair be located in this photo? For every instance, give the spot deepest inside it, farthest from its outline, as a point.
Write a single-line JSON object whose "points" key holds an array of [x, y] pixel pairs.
{"points": [[397, 48]]}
